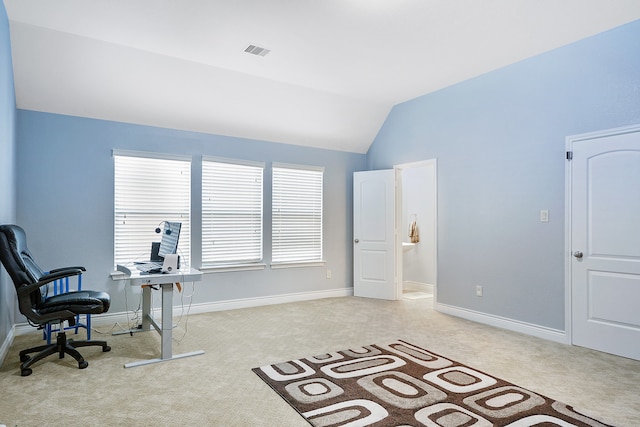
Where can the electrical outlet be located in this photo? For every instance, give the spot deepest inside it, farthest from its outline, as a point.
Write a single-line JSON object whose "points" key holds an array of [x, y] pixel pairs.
{"points": [[328, 274], [479, 290]]}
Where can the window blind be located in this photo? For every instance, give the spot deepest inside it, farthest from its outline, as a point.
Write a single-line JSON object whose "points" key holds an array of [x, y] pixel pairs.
{"points": [[296, 214], [231, 213], [149, 189]]}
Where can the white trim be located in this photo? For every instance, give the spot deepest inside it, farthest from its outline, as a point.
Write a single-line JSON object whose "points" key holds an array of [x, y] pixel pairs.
{"points": [[569, 141], [568, 185], [123, 317], [294, 166], [504, 323], [398, 253], [150, 155], [297, 264], [604, 133], [267, 300], [4, 349], [232, 161], [105, 319], [109, 319], [425, 287], [223, 268], [417, 164]]}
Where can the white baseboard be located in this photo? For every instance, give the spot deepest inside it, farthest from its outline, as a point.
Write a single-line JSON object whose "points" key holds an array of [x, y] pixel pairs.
{"points": [[4, 349], [122, 318], [505, 323], [424, 287], [268, 300]]}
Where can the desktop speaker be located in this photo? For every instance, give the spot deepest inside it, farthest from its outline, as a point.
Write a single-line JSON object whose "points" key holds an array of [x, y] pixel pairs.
{"points": [[170, 263]]}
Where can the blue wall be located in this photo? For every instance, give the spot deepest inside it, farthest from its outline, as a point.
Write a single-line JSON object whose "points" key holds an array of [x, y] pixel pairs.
{"points": [[500, 144], [65, 201], [7, 168], [499, 140]]}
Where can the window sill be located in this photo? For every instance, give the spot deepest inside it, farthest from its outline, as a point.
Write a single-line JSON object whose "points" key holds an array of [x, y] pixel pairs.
{"points": [[233, 267], [278, 265]]}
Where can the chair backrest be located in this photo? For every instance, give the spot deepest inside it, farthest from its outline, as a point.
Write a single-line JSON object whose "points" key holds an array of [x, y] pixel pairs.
{"points": [[17, 259]]}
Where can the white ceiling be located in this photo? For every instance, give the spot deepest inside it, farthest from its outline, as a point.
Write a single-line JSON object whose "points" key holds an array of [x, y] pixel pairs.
{"points": [[335, 69]]}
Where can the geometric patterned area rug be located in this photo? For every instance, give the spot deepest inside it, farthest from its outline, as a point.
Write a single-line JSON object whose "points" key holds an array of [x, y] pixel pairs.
{"points": [[401, 384]]}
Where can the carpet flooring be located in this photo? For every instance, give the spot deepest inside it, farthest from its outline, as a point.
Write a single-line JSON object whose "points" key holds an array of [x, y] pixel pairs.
{"points": [[401, 384], [218, 388]]}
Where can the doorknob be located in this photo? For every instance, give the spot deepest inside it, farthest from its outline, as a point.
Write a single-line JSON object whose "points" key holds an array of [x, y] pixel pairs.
{"points": [[357, 241], [577, 254]]}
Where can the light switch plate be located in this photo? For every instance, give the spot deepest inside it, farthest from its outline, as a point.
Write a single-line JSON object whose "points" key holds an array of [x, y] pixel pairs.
{"points": [[544, 215]]}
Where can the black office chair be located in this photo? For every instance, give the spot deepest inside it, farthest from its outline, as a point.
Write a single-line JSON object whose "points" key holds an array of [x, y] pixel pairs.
{"points": [[38, 307]]}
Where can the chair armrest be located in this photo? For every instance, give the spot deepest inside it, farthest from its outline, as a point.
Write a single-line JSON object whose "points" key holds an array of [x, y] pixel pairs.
{"points": [[59, 273], [56, 270]]}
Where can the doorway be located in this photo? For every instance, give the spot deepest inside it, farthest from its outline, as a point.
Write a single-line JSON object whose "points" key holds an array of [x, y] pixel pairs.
{"points": [[381, 220], [416, 217]]}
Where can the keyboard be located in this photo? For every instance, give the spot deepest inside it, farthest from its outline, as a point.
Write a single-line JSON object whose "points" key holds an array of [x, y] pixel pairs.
{"points": [[149, 267]]}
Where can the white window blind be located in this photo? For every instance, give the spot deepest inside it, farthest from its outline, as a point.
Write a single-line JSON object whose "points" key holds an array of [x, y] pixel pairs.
{"points": [[296, 214], [231, 213], [149, 189]]}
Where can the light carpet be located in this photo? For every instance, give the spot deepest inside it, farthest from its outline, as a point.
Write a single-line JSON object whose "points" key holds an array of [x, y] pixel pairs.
{"points": [[219, 388], [401, 384]]}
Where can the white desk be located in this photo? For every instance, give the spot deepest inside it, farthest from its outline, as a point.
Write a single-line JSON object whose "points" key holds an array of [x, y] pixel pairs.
{"points": [[165, 329]]}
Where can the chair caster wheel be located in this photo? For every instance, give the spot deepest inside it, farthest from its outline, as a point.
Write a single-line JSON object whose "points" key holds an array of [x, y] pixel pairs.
{"points": [[83, 364], [25, 372], [106, 348]]}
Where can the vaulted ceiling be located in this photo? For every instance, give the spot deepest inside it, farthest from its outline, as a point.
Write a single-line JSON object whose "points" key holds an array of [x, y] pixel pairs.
{"points": [[334, 69]]}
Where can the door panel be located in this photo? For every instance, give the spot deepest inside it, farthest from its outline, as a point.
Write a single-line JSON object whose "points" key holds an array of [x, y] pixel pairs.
{"points": [[374, 265], [612, 205], [374, 234], [605, 243], [605, 304]]}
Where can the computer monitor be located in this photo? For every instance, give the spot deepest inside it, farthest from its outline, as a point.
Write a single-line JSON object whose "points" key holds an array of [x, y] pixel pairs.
{"points": [[170, 236]]}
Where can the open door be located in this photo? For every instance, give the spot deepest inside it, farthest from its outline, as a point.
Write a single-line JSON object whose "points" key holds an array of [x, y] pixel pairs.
{"points": [[605, 241], [374, 234]]}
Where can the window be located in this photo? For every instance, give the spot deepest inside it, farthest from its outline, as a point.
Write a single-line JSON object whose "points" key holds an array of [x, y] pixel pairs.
{"points": [[231, 212], [149, 189], [296, 214]]}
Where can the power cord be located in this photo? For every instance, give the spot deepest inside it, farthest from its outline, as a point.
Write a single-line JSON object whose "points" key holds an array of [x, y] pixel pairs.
{"points": [[182, 314], [135, 321], [132, 322]]}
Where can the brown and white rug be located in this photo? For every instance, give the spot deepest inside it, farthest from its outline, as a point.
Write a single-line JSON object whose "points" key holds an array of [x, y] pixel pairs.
{"points": [[401, 384]]}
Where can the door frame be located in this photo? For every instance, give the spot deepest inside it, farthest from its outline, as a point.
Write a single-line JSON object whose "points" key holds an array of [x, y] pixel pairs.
{"points": [[569, 141], [399, 252]]}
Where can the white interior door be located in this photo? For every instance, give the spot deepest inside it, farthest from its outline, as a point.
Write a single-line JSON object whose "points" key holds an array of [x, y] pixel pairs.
{"points": [[374, 225], [605, 242]]}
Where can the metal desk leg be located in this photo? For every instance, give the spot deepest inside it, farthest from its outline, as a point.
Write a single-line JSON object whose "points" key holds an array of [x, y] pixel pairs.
{"points": [[165, 329], [146, 308], [167, 321]]}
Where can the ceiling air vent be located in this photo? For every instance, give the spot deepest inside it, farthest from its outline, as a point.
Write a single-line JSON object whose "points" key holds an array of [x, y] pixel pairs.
{"points": [[260, 51]]}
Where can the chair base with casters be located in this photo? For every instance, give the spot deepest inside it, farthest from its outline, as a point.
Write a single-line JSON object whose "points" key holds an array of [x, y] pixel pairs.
{"points": [[62, 346]]}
